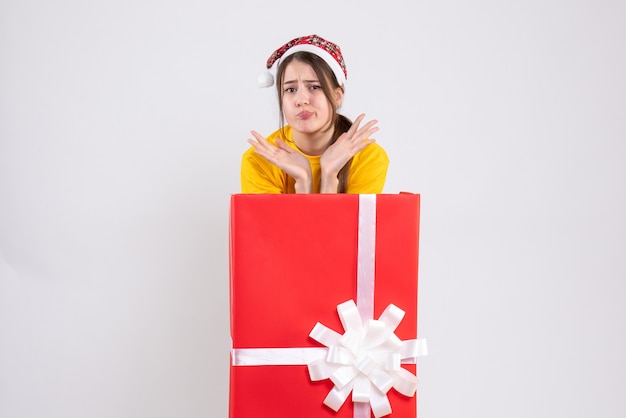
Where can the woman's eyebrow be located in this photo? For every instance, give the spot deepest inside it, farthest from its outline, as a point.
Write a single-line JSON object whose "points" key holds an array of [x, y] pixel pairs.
{"points": [[306, 81]]}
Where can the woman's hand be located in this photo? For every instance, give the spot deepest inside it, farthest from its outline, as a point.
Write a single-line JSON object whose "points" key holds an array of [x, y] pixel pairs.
{"points": [[286, 158], [339, 153]]}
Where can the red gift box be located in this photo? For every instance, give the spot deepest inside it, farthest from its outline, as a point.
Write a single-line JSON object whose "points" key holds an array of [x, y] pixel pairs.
{"points": [[293, 260]]}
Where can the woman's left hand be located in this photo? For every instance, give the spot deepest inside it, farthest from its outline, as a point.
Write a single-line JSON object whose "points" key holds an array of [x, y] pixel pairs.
{"points": [[346, 146]]}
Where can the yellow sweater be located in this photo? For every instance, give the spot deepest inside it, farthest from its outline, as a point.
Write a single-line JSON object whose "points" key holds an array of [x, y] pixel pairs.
{"points": [[367, 175]]}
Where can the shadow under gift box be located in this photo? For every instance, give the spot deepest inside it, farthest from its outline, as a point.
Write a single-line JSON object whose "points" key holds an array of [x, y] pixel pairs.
{"points": [[293, 259]]}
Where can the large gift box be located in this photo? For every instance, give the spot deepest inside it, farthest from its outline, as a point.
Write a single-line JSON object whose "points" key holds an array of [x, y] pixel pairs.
{"points": [[323, 298]]}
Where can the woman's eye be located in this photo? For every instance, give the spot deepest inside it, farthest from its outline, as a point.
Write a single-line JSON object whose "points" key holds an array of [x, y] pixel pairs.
{"points": [[315, 87], [290, 90]]}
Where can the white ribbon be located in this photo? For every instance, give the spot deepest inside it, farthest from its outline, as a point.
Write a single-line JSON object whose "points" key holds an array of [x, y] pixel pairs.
{"points": [[366, 262], [276, 356], [366, 359]]}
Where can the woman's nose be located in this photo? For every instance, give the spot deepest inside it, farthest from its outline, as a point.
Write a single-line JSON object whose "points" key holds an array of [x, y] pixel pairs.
{"points": [[302, 97]]}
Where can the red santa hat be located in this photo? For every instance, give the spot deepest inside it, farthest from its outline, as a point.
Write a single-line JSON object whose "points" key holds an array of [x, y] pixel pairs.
{"points": [[327, 50]]}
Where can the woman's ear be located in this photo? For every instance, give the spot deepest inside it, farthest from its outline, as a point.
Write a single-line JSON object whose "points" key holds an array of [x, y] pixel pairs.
{"points": [[338, 97]]}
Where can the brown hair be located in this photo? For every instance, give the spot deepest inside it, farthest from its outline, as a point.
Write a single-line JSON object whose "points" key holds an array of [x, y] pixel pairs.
{"points": [[339, 123]]}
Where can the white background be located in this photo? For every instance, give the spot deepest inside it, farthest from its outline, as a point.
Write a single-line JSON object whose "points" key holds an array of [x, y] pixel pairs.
{"points": [[122, 124]]}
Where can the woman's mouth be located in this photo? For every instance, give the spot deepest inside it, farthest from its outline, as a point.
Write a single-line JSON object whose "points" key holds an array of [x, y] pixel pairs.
{"points": [[305, 114]]}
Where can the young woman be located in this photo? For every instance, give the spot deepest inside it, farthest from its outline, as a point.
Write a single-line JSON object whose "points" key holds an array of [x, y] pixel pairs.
{"points": [[316, 150]]}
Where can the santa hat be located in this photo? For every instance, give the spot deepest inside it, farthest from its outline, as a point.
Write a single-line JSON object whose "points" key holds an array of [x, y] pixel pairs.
{"points": [[319, 46]]}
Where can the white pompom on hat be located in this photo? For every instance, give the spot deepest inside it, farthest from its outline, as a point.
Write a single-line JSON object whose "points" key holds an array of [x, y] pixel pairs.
{"points": [[328, 51]]}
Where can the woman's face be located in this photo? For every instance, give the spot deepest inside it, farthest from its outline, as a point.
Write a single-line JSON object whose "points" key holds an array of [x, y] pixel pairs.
{"points": [[306, 108]]}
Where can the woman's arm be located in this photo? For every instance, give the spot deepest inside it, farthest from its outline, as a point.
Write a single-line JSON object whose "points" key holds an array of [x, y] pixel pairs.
{"points": [[338, 154], [287, 159]]}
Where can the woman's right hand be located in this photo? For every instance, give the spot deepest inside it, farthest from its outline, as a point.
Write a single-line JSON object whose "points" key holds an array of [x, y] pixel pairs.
{"points": [[286, 158]]}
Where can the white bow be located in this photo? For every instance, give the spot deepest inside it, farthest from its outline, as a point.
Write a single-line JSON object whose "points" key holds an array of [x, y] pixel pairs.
{"points": [[366, 360]]}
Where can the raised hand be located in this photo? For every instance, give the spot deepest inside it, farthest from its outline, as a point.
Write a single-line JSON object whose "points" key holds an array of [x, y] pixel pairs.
{"points": [[346, 146], [286, 158]]}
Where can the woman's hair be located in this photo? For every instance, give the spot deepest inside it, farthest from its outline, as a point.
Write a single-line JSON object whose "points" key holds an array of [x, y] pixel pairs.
{"points": [[329, 84]]}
